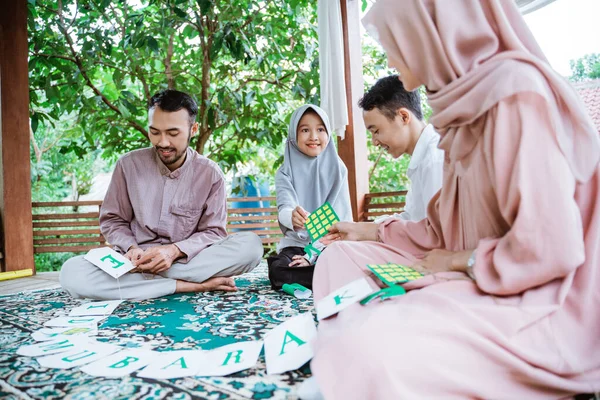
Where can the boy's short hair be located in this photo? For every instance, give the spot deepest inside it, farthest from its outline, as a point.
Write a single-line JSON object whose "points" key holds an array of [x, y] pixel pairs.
{"points": [[173, 100], [389, 95]]}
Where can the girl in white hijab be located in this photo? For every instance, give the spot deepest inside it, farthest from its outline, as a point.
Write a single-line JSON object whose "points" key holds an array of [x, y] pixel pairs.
{"points": [[312, 174]]}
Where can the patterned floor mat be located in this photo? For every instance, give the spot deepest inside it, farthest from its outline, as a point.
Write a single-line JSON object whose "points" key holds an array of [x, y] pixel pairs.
{"points": [[177, 322]]}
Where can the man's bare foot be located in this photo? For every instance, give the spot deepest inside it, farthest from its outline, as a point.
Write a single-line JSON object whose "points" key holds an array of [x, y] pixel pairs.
{"points": [[209, 285]]}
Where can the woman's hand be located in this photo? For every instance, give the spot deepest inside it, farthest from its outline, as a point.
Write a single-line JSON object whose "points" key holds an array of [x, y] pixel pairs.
{"points": [[299, 261], [352, 231], [443, 261], [299, 216]]}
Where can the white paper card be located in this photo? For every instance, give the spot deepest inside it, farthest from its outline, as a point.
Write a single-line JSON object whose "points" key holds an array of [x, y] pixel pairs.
{"points": [[95, 308], [60, 345], [175, 364], [230, 359], [69, 322], [287, 347], [54, 333], [121, 364], [109, 261], [343, 297], [84, 353]]}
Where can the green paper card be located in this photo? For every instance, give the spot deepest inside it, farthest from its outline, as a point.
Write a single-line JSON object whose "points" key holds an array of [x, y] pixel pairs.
{"points": [[392, 274], [297, 290], [318, 222]]}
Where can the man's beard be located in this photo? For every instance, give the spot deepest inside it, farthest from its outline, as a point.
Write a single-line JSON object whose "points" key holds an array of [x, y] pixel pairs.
{"points": [[173, 158]]}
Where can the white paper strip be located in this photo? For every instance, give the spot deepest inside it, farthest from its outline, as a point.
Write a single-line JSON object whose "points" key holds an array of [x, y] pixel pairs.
{"points": [[175, 364], [109, 261], [287, 347], [84, 353], [95, 308], [232, 358], [60, 345], [54, 333], [69, 322], [121, 364], [343, 297]]}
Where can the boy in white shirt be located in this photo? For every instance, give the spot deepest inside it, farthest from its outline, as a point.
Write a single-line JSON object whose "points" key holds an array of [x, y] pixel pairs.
{"points": [[395, 119]]}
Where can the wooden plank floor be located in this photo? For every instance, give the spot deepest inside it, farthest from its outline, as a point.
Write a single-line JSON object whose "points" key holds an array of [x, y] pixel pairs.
{"points": [[42, 280]]}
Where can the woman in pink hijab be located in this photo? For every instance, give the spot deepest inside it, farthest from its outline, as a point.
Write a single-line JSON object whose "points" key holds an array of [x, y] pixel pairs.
{"points": [[510, 307]]}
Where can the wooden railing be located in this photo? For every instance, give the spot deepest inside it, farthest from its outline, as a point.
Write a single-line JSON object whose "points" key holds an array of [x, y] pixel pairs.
{"points": [[387, 203], [61, 226], [262, 221]]}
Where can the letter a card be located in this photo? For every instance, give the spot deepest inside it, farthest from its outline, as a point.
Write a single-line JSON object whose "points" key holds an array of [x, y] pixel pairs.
{"points": [[109, 261], [227, 360], [288, 346]]}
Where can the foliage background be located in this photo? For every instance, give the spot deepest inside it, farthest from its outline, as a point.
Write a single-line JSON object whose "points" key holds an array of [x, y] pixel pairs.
{"points": [[93, 65]]}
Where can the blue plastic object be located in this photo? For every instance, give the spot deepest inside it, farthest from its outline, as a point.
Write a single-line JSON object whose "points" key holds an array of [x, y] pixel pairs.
{"points": [[246, 186]]}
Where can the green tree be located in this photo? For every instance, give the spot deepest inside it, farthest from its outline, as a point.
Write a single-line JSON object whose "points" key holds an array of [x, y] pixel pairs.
{"points": [[57, 169], [586, 67], [248, 63]]}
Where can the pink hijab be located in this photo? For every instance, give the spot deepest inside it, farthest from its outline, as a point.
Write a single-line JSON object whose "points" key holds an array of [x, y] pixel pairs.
{"points": [[472, 54]]}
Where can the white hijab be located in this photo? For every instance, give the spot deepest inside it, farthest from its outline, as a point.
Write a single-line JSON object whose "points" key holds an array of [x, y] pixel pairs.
{"points": [[309, 182]]}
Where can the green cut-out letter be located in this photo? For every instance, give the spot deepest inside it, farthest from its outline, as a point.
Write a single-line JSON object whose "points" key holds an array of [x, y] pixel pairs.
{"points": [[238, 357], [292, 338], [80, 321], [340, 297], [124, 362], [54, 346], [74, 331], [116, 263], [83, 354], [102, 306], [180, 360]]}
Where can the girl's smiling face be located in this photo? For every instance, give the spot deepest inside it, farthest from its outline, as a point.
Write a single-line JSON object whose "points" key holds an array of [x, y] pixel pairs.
{"points": [[311, 135]]}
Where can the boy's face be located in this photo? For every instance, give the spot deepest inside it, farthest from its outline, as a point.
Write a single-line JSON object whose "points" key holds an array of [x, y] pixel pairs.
{"points": [[391, 135], [311, 135], [170, 133]]}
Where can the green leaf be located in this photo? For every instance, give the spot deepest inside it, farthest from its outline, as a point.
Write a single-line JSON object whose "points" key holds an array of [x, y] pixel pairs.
{"points": [[364, 5], [179, 12], [117, 78], [211, 118], [216, 46], [124, 110], [89, 137], [35, 120], [190, 32], [128, 95], [152, 44], [205, 6], [131, 107], [249, 98]]}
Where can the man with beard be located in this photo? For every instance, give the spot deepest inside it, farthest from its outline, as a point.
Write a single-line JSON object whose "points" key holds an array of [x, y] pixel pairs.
{"points": [[166, 211]]}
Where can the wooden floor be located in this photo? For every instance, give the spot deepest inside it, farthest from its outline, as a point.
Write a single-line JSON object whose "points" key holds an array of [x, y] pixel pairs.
{"points": [[42, 280]]}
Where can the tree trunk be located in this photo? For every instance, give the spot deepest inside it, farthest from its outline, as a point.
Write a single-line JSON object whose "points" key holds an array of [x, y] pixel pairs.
{"points": [[167, 62], [204, 131]]}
